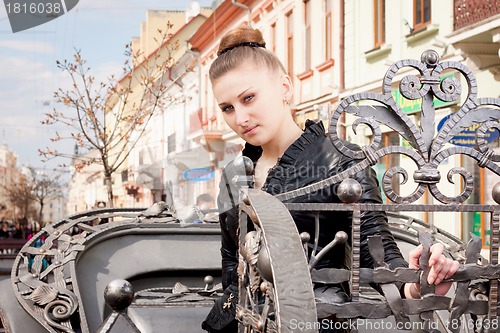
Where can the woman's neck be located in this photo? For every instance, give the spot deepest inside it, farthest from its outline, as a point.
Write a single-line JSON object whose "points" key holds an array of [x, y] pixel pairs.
{"points": [[274, 149]]}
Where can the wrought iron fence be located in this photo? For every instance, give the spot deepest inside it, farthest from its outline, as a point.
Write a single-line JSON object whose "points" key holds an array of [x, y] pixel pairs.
{"points": [[427, 149]]}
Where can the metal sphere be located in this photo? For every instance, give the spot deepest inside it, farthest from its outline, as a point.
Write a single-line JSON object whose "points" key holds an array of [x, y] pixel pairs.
{"points": [[250, 235], [304, 237], [264, 264], [495, 192], [119, 294], [349, 191], [430, 58], [341, 237], [209, 279], [245, 164]]}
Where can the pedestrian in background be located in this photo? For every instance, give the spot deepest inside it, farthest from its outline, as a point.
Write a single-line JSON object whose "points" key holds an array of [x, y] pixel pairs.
{"points": [[4, 231], [18, 232]]}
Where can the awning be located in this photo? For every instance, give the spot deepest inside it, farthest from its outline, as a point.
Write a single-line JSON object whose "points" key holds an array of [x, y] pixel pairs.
{"points": [[197, 157]]}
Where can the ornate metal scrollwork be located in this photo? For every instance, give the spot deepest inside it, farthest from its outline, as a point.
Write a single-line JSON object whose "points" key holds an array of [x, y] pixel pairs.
{"points": [[427, 149], [43, 274]]}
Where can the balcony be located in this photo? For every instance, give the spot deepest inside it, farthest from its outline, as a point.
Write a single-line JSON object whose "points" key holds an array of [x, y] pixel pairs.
{"points": [[476, 34], [205, 128], [470, 12]]}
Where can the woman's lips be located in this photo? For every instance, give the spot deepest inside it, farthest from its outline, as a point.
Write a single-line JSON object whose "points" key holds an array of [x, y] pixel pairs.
{"points": [[250, 130]]}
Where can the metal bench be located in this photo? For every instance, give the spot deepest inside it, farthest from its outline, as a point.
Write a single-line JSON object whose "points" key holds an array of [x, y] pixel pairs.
{"points": [[148, 268]]}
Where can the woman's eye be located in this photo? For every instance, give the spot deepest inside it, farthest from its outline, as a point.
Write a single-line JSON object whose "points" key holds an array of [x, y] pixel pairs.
{"points": [[248, 98], [227, 108]]}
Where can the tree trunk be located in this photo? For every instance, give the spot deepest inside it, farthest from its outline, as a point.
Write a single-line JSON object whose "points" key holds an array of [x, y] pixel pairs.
{"points": [[40, 215], [26, 207], [109, 186]]}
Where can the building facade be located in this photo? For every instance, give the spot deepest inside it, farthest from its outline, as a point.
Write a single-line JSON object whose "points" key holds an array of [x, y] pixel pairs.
{"points": [[9, 175], [331, 49]]}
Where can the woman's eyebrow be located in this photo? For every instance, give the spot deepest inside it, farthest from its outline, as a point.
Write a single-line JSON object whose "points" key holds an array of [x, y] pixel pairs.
{"points": [[244, 91], [239, 96]]}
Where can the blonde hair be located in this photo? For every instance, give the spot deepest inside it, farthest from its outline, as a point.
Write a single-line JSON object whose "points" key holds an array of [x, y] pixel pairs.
{"points": [[240, 45]]}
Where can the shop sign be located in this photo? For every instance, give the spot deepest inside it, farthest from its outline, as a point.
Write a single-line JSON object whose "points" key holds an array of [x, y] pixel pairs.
{"points": [[198, 174], [467, 137]]}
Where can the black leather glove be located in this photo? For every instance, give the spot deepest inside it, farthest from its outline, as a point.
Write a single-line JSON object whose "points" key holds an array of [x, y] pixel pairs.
{"points": [[222, 316]]}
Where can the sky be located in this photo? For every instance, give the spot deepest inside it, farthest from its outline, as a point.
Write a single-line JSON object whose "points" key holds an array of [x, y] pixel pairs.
{"points": [[100, 29]]}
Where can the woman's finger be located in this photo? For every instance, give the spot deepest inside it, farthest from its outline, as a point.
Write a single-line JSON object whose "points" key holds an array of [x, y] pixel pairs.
{"points": [[436, 252], [455, 265], [414, 255], [445, 268], [436, 269]]}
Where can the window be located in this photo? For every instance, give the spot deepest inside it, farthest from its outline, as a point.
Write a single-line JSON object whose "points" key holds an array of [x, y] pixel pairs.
{"points": [[328, 29], [272, 42], [289, 39], [307, 24], [421, 13], [141, 157], [171, 143], [379, 22], [124, 176]]}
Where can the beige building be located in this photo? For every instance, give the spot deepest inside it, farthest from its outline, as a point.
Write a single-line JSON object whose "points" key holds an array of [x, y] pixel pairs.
{"points": [[139, 181], [55, 209], [9, 175], [163, 152], [86, 188]]}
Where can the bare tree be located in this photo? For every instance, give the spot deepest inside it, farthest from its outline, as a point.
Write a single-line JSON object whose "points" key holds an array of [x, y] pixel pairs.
{"points": [[45, 187], [37, 187], [102, 117], [20, 195]]}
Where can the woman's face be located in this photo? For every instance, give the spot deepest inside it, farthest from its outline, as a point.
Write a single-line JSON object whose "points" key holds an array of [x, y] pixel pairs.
{"points": [[251, 100]]}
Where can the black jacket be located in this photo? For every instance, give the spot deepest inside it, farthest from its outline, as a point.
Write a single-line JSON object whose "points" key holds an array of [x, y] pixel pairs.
{"points": [[309, 159]]}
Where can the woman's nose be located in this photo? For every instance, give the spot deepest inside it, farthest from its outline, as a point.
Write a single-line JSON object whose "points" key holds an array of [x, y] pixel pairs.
{"points": [[242, 117]]}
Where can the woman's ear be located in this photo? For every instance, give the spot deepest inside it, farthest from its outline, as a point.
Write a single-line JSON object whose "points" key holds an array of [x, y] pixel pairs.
{"points": [[287, 87]]}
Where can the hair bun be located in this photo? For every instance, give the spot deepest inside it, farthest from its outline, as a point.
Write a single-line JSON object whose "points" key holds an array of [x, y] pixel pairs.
{"points": [[241, 36]]}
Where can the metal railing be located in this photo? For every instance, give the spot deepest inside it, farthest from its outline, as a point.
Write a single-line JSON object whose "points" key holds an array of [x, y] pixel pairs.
{"points": [[468, 12]]}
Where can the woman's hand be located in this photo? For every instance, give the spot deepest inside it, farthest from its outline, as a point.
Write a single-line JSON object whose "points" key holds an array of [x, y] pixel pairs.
{"points": [[441, 268]]}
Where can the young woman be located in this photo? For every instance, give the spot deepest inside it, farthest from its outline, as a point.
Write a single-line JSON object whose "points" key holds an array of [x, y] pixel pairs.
{"points": [[254, 92]]}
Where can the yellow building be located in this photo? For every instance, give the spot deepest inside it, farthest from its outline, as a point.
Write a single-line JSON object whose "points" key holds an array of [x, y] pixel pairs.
{"points": [[9, 175]]}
